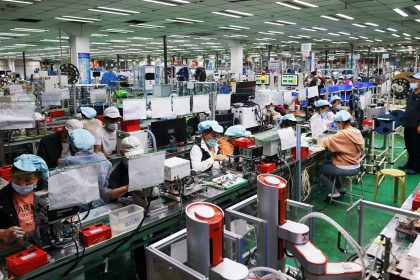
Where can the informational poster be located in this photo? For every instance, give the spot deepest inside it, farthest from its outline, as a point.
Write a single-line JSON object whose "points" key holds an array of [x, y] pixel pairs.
{"points": [[274, 64], [306, 47], [289, 80], [84, 68]]}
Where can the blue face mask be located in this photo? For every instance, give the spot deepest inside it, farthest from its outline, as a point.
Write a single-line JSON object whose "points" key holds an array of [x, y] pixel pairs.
{"points": [[212, 143], [413, 86], [23, 190], [338, 107], [324, 115], [112, 126]]}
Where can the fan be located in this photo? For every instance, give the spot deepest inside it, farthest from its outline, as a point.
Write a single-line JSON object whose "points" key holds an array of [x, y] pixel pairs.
{"points": [[71, 72], [400, 88], [183, 74], [200, 74]]}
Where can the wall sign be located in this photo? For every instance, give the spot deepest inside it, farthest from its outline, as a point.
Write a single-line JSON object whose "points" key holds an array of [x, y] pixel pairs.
{"points": [[84, 68]]}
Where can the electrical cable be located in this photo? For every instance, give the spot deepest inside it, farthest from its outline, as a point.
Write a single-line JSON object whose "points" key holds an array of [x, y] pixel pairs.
{"points": [[87, 214], [77, 256]]}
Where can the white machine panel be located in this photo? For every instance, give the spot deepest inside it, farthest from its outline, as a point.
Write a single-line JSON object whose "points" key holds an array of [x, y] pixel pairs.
{"points": [[177, 168], [246, 116]]}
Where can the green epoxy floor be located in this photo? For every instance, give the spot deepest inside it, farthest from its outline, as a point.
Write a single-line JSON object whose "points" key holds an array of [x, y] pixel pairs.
{"points": [[325, 236]]}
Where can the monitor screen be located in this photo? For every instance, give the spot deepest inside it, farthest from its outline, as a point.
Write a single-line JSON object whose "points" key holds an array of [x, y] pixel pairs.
{"points": [[164, 131], [259, 80], [96, 74], [245, 87], [225, 120], [289, 80], [149, 76]]}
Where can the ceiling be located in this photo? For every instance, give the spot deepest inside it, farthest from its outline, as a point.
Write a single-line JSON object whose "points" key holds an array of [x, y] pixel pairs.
{"points": [[207, 37]]}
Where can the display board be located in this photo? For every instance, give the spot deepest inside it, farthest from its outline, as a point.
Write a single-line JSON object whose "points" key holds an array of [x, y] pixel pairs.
{"points": [[289, 80]]}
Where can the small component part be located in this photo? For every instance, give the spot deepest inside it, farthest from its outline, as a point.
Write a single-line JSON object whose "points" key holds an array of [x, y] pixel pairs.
{"points": [[94, 234], [26, 261], [416, 202]]}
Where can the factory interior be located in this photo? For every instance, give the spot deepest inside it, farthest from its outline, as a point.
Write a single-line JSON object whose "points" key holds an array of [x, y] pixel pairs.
{"points": [[216, 139]]}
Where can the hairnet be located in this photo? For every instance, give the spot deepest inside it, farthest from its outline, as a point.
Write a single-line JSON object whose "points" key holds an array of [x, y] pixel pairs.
{"points": [[213, 125], [236, 131], [32, 163], [288, 117], [88, 112], [320, 103], [334, 98], [342, 116], [81, 139]]}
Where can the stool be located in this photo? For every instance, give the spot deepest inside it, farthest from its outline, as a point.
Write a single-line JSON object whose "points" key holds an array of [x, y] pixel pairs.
{"points": [[357, 173], [398, 175]]}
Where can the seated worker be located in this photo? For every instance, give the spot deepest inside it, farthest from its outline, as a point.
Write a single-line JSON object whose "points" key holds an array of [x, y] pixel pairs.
{"points": [[288, 120], [346, 147], [106, 137], [335, 102], [321, 109], [118, 180], [55, 147], [90, 123], [29, 174], [226, 143], [205, 155], [81, 143]]}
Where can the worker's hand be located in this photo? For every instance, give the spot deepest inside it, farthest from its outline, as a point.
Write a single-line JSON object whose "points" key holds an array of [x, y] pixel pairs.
{"points": [[219, 157], [60, 160], [11, 234], [418, 129]]}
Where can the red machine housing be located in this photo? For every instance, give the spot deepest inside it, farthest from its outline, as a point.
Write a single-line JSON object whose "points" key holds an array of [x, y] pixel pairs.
{"points": [[6, 172], [244, 142], [26, 261], [58, 128], [304, 152], [266, 167], [129, 126], [94, 234], [416, 201]]}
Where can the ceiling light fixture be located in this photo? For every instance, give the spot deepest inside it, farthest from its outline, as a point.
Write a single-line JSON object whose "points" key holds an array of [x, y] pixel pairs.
{"points": [[418, 20], [239, 13], [240, 27], [363, 37], [320, 28], [344, 33], [151, 26], [29, 30], [113, 30], [407, 35], [275, 32], [330, 18], [267, 33], [344, 16], [334, 34], [229, 28], [372, 24], [307, 29], [289, 6], [273, 23], [179, 21], [391, 29], [417, 7], [82, 18], [19, 2], [192, 20], [73, 19], [226, 14], [396, 35], [358, 25], [305, 4], [400, 12], [139, 38], [285, 22], [119, 10], [13, 34], [161, 3], [380, 30], [98, 35], [109, 12]]}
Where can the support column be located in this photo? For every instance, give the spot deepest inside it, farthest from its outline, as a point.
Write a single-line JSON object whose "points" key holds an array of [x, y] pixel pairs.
{"points": [[268, 56], [118, 63], [368, 56], [236, 57], [216, 65], [24, 65], [326, 61], [165, 59], [351, 55], [149, 60]]}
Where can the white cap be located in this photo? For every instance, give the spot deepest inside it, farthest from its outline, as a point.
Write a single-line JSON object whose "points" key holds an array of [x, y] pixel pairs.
{"points": [[415, 76], [73, 124], [131, 146], [112, 113]]}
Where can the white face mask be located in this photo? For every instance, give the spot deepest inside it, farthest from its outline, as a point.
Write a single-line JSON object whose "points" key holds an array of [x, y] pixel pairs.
{"points": [[413, 86]]}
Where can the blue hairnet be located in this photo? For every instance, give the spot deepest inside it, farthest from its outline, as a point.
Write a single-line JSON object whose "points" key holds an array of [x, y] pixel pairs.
{"points": [[334, 98], [289, 117], [81, 139], [88, 112], [342, 116], [32, 163], [236, 131], [320, 103], [214, 125]]}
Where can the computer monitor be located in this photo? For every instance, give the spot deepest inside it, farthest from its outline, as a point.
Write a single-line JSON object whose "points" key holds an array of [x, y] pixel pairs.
{"points": [[96, 74], [165, 130], [244, 91], [259, 79], [289, 80], [225, 120]]}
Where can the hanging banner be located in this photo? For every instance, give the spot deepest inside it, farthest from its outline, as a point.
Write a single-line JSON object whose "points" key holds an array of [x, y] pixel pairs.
{"points": [[307, 47], [274, 64], [84, 68], [385, 56]]}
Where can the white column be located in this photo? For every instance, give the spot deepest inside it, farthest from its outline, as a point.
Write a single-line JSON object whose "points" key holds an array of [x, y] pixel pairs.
{"points": [[312, 61], [11, 64], [236, 57], [78, 44]]}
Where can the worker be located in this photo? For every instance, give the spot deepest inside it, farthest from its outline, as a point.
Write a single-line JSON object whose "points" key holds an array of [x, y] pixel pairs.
{"points": [[335, 102], [288, 120], [118, 180], [348, 81], [322, 108], [55, 147], [81, 143], [340, 81], [29, 174], [346, 147], [411, 123], [90, 123], [226, 143], [106, 137], [205, 155]]}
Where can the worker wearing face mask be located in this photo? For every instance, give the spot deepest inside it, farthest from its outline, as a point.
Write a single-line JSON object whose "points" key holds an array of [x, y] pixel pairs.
{"points": [[81, 143], [322, 107], [55, 147], [29, 174], [411, 123], [106, 137], [205, 155], [346, 147]]}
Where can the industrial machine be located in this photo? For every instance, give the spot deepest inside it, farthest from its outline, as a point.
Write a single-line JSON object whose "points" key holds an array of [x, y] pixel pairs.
{"points": [[146, 76], [246, 116]]}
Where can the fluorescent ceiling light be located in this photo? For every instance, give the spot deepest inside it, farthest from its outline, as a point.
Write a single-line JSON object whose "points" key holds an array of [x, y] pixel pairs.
{"points": [[109, 12], [380, 30], [305, 4], [240, 27], [29, 30], [418, 20], [119, 10], [334, 34], [320, 28], [391, 29], [113, 30], [363, 37], [358, 25], [179, 21], [161, 3], [273, 23], [330, 18], [285, 22], [25, 45], [368, 40], [100, 43], [275, 32], [178, 36], [354, 38], [226, 15], [98, 35], [417, 38], [396, 35], [50, 40], [344, 33], [405, 34], [73, 19], [372, 24], [142, 25], [119, 41], [229, 28], [304, 36], [82, 18], [140, 38], [239, 13], [267, 33], [18, 1], [307, 29], [289, 6], [187, 19], [417, 7], [344, 16], [400, 12]]}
